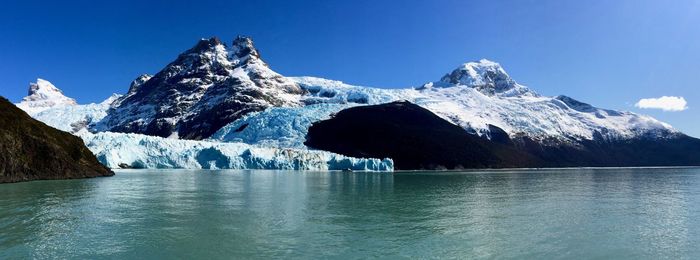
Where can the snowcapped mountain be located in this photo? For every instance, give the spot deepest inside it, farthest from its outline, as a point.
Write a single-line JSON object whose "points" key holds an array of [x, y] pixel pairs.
{"points": [[43, 95], [75, 118], [211, 86], [47, 103], [486, 76], [205, 88], [478, 95], [118, 150], [228, 94]]}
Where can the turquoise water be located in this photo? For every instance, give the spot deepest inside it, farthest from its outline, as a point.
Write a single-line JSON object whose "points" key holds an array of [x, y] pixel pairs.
{"points": [[529, 214]]}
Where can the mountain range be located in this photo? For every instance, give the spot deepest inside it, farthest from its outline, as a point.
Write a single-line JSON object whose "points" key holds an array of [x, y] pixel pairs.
{"points": [[218, 94]]}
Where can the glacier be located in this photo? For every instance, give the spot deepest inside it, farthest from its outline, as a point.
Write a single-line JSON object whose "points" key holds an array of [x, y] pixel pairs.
{"points": [[277, 126], [122, 150], [119, 150], [74, 118]]}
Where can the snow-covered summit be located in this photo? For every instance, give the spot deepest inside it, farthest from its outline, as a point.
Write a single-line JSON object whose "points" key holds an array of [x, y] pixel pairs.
{"points": [[205, 88], [482, 95], [243, 49], [70, 116], [43, 95], [486, 76]]}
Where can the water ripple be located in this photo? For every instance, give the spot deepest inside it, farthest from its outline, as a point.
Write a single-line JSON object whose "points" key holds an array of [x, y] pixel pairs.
{"points": [[535, 214]]}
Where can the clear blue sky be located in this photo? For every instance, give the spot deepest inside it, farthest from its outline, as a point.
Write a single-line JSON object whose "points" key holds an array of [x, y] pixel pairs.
{"points": [[607, 53]]}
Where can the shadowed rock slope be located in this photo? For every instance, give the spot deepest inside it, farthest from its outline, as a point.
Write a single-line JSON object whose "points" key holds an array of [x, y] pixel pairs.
{"points": [[31, 150], [413, 137], [418, 139]]}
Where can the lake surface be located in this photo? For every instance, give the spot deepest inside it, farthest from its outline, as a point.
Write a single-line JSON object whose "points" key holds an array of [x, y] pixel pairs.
{"points": [[524, 214]]}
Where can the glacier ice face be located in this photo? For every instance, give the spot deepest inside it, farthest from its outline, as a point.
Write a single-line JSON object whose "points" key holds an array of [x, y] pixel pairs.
{"points": [[117, 150]]}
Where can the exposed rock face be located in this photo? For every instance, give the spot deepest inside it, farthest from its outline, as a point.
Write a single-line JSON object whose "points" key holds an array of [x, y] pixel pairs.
{"points": [[133, 88], [204, 89], [31, 150], [413, 137]]}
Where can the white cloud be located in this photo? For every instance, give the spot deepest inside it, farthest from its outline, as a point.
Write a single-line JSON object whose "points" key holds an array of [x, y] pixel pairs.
{"points": [[664, 103]]}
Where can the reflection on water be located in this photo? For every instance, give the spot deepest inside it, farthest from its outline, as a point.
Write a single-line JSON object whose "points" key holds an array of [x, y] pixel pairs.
{"points": [[577, 213]]}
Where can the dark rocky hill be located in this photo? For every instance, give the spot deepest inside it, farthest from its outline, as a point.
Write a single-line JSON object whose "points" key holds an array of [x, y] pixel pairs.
{"points": [[31, 150], [413, 137]]}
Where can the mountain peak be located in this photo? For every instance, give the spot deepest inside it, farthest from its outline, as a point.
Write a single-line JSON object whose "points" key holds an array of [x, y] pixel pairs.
{"points": [[203, 89], [205, 44], [42, 95], [484, 75], [480, 73], [43, 88], [242, 47]]}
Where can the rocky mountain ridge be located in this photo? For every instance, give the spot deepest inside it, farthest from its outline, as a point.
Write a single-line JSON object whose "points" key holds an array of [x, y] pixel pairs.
{"points": [[205, 88]]}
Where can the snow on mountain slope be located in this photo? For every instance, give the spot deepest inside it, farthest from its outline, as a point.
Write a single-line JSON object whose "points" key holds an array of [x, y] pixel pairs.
{"points": [[212, 89], [43, 95], [47, 104], [75, 118], [205, 88], [473, 96], [477, 94], [140, 151], [117, 150]]}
